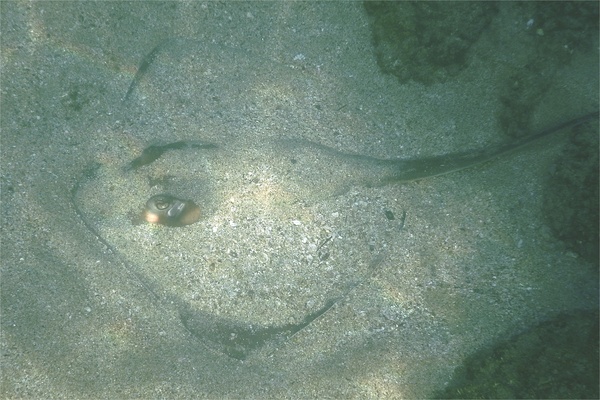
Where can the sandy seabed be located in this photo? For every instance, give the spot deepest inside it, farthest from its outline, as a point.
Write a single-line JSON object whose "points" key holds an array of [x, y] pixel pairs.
{"points": [[466, 260]]}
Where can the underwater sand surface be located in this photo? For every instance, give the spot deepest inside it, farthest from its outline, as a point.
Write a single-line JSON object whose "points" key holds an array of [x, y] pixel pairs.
{"points": [[414, 277]]}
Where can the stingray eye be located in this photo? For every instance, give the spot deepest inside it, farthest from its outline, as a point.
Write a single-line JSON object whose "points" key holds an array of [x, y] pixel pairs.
{"points": [[162, 203], [168, 210]]}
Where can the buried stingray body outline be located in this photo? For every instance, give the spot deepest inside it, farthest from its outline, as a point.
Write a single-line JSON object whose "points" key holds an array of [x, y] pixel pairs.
{"points": [[239, 339]]}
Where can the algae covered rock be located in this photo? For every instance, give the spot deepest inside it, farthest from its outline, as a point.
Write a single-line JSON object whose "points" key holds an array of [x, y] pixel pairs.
{"points": [[555, 359], [426, 41]]}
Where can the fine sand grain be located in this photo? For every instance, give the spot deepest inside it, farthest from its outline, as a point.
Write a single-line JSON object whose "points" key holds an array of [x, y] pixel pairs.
{"points": [[466, 260]]}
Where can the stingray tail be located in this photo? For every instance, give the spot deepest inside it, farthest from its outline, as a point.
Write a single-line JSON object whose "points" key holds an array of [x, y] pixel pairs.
{"points": [[410, 170]]}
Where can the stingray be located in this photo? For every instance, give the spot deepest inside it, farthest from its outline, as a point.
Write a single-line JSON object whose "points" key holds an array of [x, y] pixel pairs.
{"points": [[268, 258]]}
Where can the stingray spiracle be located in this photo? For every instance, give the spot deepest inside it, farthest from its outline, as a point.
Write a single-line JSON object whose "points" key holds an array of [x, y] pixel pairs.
{"points": [[168, 210]]}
